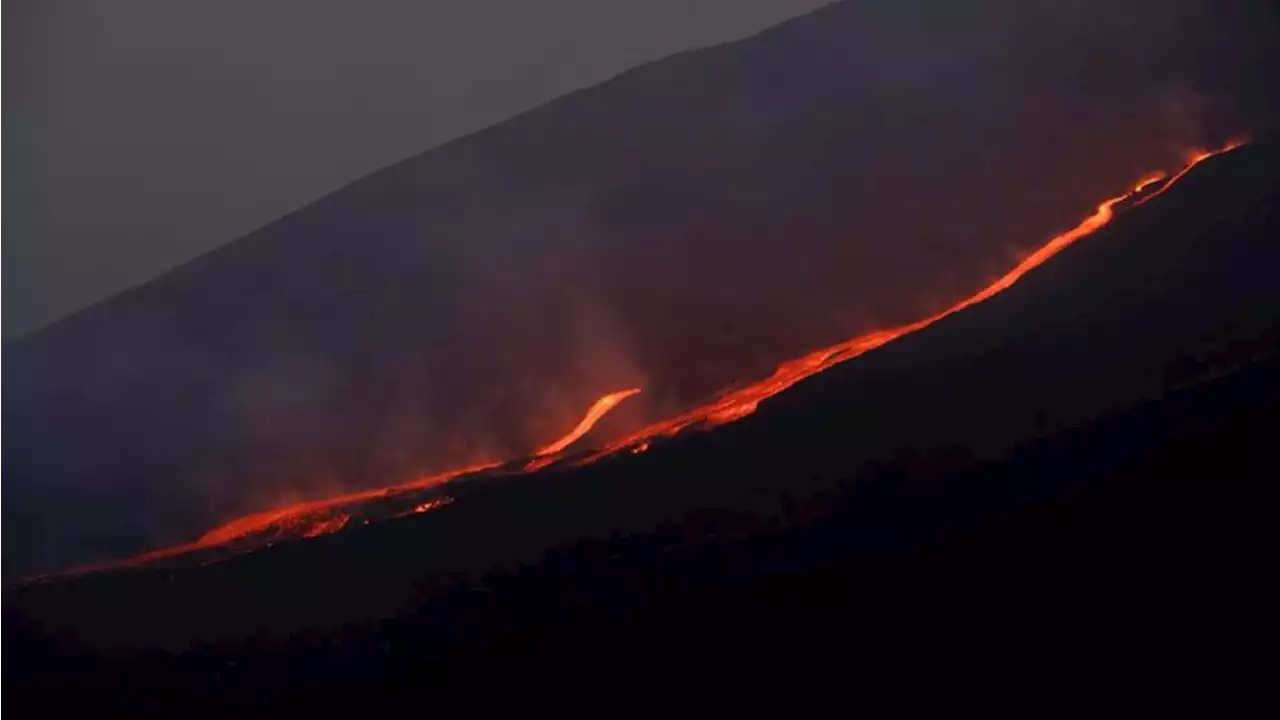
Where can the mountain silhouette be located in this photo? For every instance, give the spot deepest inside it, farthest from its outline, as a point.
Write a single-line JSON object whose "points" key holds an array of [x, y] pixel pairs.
{"points": [[682, 227], [1068, 467]]}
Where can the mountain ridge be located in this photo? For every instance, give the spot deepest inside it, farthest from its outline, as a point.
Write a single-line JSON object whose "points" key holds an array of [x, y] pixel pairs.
{"points": [[1028, 369], [470, 301]]}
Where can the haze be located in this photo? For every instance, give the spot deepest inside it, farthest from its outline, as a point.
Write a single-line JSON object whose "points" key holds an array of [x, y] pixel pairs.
{"points": [[143, 133]]}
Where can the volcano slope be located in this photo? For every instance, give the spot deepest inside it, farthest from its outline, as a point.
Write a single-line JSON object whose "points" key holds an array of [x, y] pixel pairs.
{"points": [[1080, 467], [684, 226]]}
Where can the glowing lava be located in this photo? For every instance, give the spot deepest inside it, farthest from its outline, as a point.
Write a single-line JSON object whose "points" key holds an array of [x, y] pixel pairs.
{"points": [[594, 413], [742, 402], [429, 505], [550, 453], [310, 519], [324, 527], [301, 520], [1194, 158]]}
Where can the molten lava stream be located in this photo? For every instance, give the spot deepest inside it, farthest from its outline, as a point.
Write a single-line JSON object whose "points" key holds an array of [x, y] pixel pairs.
{"points": [[742, 402], [1193, 160], [301, 520], [550, 453], [310, 519]]}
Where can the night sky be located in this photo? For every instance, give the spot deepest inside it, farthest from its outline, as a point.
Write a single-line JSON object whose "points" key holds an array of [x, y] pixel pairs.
{"points": [[142, 133]]}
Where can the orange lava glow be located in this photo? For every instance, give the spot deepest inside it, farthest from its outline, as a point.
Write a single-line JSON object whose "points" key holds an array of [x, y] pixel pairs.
{"points": [[314, 518], [742, 402], [597, 410], [1195, 157], [324, 527], [301, 520], [430, 505], [318, 511]]}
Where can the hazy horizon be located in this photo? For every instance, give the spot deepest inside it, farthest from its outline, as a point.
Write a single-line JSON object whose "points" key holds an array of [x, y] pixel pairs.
{"points": [[142, 135]]}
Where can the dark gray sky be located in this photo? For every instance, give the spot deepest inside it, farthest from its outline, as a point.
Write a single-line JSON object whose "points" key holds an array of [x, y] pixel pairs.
{"points": [[141, 133]]}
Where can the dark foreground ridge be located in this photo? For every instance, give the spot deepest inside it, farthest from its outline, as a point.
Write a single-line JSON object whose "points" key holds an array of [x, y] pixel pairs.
{"points": [[1072, 483]]}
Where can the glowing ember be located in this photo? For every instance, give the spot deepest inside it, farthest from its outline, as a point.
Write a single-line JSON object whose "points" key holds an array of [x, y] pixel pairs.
{"points": [[311, 519], [324, 527], [1194, 158], [303, 520], [430, 505]]}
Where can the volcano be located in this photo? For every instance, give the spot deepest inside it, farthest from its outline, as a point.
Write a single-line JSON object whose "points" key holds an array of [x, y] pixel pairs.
{"points": [[856, 339], [684, 227], [313, 518], [1102, 423]]}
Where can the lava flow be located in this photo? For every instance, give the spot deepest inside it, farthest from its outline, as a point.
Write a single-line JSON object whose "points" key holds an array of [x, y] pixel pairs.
{"points": [[1196, 158], [742, 402], [547, 454], [301, 520], [310, 519]]}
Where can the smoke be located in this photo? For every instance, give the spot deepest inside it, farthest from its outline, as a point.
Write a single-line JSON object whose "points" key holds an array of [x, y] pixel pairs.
{"points": [[682, 229]]}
